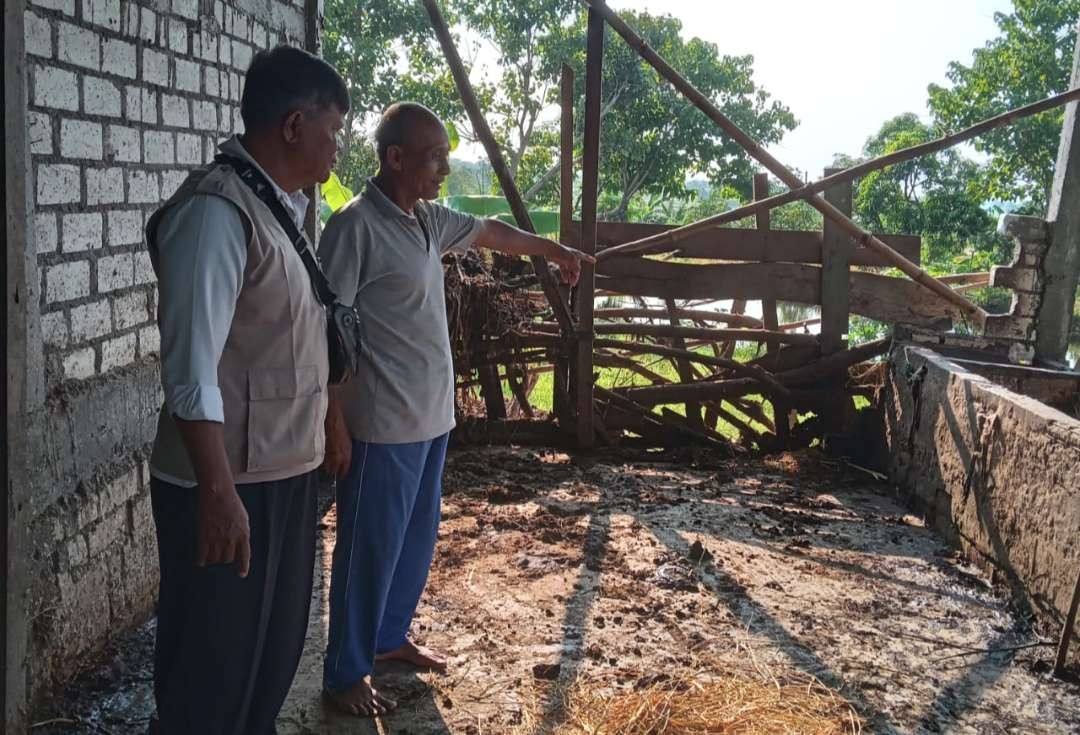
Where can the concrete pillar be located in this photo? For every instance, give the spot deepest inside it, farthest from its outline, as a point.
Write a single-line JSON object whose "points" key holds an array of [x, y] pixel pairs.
{"points": [[1062, 263]]}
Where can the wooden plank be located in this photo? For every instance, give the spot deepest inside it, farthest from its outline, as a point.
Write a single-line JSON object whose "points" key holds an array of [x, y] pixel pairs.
{"points": [[731, 243], [1062, 261], [590, 161], [885, 299], [491, 391], [836, 249]]}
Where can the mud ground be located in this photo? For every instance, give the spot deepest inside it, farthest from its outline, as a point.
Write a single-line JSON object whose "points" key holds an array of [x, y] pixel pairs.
{"points": [[623, 569]]}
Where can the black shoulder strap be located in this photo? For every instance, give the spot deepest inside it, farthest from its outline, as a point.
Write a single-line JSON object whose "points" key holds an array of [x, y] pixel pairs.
{"points": [[265, 192]]}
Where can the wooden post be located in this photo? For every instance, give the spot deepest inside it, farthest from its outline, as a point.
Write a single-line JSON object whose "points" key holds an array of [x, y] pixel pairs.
{"points": [[590, 163], [836, 249], [561, 389], [835, 258], [1062, 262], [498, 164], [491, 391], [1067, 631], [771, 319]]}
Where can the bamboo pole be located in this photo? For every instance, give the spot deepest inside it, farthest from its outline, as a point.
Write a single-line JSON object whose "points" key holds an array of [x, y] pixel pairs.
{"points": [[498, 164], [633, 407], [1067, 631], [609, 359], [799, 324], [736, 320], [752, 147]]}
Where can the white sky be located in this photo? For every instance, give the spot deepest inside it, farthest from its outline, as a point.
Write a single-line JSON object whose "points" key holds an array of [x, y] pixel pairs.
{"points": [[843, 67]]}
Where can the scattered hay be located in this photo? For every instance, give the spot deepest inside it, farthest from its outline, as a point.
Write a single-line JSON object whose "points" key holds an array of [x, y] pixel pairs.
{"points": [[731, 705]]}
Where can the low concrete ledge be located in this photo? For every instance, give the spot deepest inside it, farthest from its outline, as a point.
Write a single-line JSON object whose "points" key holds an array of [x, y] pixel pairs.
{"points": [[996, 472]]}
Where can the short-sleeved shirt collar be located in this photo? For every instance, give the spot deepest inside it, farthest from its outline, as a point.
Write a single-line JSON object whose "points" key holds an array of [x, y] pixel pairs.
{"points": [[296, 203], [383, 203]]}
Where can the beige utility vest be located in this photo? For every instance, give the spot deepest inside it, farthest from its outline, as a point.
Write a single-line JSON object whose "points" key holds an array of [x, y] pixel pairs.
{"points": [[273, 370]]}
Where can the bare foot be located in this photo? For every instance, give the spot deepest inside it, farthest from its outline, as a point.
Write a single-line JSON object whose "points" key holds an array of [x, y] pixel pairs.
{"points": [[361, 700], [418, 656]]}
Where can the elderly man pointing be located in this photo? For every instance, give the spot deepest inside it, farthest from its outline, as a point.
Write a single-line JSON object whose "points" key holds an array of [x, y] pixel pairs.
{"points": [[387, 429]]}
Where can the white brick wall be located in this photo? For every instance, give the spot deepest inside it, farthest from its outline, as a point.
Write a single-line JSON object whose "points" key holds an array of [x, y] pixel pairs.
{"points": [[79, 46], [118, 57], [158, 147], [175, 111], [79, 364], [40, 132], [58, 184], [38, 34], [80, 139], [104, 186], [126, 96], [155, 68], [114, 273], [91, 320], [67, 281], [122, 144], [105, 13], [131, 310], [56, 88], [188, 149], [149, 341], [100, 97], [118, 352], [45, 232], [125, 227], [82, 232]]}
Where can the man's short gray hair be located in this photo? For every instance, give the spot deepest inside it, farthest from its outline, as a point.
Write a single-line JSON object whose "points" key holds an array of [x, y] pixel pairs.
{"points": [[397, 122]]}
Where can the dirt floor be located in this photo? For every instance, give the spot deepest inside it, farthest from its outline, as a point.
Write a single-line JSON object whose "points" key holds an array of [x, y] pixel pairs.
{"points": [[626, 569]]}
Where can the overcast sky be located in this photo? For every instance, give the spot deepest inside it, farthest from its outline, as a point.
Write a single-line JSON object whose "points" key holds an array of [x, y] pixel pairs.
{"points": [[842, 66]]}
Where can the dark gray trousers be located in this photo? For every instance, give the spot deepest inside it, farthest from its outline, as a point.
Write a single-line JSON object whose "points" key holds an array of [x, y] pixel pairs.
{"points": [[227, 648]]}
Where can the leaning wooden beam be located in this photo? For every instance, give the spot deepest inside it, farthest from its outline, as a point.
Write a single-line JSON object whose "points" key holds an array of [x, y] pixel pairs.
{"points": [[834, 363], [498, 164], [735, 320], [759, 376], [789, 178], [631, 406], [609, 359], [742, 335]]}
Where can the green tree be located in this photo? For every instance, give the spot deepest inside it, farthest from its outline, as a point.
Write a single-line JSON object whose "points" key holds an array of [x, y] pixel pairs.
{"points": [[1029, 60], [652, 138], [932, 196], [386, 52]]}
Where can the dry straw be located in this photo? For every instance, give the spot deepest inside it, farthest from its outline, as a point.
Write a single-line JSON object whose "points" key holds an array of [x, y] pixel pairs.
{"points": [[729, 705]]}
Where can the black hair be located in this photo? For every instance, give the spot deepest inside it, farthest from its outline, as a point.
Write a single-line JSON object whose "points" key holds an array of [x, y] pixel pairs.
{"points": [[285, 79], [397, 122]]}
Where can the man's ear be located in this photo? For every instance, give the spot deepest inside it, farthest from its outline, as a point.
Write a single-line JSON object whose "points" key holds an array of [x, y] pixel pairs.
{"points": [[290, 127], [394, 154]]}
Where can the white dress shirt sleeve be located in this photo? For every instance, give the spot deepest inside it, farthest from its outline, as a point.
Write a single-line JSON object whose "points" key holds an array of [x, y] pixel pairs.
{"points": [[202, 253]]}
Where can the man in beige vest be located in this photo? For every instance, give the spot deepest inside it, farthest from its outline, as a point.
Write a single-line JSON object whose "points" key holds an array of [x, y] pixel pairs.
{"points": [[240, 437]]}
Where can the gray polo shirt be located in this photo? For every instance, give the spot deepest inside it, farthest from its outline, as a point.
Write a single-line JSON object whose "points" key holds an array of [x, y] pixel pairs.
{"points": [[378, 259]]}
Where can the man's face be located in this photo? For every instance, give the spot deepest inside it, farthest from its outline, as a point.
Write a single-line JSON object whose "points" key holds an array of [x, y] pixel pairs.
{"points": [[317, 143], [423, 162]]}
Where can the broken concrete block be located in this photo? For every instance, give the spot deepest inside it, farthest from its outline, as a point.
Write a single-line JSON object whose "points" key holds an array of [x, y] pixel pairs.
{"points": [[1024, 228]]}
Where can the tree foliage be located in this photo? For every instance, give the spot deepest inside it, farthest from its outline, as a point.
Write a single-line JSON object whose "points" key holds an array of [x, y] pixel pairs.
{"points": [[1029, 60]]}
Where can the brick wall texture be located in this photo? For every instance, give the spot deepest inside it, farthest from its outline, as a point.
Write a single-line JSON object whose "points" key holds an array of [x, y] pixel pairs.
{"points": [[123, 98]]}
